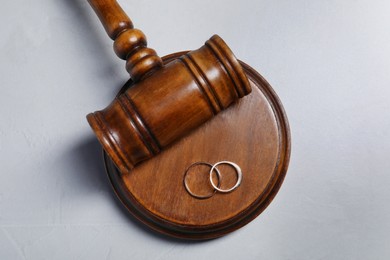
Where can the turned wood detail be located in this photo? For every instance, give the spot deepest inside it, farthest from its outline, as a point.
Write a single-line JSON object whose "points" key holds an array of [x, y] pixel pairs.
{"points": [[163, 109], [130, 44], [174, 100], [254, 134], [155, 112]]}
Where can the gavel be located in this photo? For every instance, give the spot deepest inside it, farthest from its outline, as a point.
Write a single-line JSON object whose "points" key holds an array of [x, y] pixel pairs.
{"points": [[164, 102]]}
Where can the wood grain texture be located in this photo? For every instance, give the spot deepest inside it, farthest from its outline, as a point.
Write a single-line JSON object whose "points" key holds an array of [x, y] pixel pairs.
{"points": [[170, 103], [253, 133], [161, 123], [129, 44]]}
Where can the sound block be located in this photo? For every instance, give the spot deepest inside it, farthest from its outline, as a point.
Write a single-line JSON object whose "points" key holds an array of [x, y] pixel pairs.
{"points": [[253, 133]]}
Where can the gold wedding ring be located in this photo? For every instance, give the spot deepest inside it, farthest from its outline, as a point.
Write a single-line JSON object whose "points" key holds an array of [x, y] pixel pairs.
{"points": [[201, 197]]}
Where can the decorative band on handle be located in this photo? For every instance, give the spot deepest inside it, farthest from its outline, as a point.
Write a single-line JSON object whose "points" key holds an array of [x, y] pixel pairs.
{"points": [[129, 44]]}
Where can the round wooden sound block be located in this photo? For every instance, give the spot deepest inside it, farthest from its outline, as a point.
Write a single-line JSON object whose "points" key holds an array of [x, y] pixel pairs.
{"points": [[253, 133]]}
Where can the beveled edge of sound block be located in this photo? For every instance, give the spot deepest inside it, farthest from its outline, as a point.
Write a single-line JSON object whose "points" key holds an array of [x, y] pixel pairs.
{"points": [[166, 228]]}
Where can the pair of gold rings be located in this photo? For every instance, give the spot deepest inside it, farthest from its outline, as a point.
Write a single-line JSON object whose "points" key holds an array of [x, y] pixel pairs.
{"points": [[213, 168]]}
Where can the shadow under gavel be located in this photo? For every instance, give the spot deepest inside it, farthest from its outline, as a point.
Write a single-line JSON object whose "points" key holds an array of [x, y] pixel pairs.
{"points": [[165, 101]]}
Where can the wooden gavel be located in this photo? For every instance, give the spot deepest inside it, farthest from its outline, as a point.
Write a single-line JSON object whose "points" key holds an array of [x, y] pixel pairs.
{"points": [[165, 101]]}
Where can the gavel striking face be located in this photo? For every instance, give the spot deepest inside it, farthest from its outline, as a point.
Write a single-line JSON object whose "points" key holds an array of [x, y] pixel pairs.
{"points": [[165, 102]]}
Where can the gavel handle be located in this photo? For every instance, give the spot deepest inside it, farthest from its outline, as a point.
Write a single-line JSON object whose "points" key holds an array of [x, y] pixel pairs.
{"points": [[129, 44]]}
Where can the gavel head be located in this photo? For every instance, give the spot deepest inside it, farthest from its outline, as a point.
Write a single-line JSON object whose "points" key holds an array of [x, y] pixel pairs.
{"points": [[169, 103]]}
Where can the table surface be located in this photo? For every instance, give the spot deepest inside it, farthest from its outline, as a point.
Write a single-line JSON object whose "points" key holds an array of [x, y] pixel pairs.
{"points": [[329, 62]]}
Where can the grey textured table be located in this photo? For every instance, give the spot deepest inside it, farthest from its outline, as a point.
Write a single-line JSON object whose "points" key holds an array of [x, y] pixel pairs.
{"points": [[329, 62]]}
